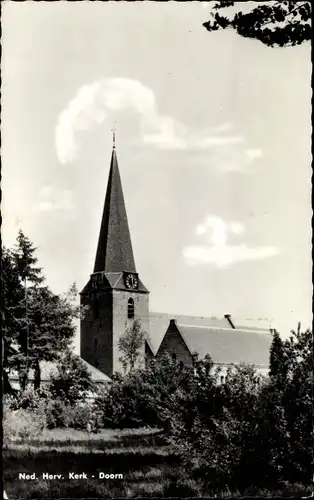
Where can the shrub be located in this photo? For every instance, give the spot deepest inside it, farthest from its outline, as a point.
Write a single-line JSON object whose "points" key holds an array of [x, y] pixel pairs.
{"points": [[84, 417], [22, 424], [30, 399], [58, 414], [80, 417], [8, 404], [140, 398]]}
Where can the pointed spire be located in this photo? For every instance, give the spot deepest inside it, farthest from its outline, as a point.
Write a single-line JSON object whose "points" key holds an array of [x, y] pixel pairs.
{"points": [[114, 250]]}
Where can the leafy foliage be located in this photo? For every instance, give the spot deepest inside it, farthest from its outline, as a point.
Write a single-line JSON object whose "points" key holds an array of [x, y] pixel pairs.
{"points": [[38, 324], [273, 23], [84, 417], [248, 430], [131, 344], [140, 397], [22, 421], [58, 414], [73, 381]]}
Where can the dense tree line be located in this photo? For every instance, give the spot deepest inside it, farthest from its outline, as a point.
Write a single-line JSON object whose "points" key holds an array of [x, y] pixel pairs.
{"points": [[248, 430]]}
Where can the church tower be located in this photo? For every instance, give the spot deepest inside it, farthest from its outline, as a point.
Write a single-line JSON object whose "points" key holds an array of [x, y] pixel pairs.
{"points": [[114, 295]]}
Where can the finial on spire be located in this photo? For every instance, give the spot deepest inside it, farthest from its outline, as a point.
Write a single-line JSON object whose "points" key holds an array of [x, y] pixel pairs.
{"points": [[113, 130]]}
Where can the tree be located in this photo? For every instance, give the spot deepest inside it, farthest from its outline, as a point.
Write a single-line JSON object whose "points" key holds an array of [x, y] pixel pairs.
{"points": [[141, 396], [130, 345], [273, 23], [25, 260], [26, 274], [38, 324], [12, 299], [50, 326], [72, 381], [278, 360], [298, 404]]}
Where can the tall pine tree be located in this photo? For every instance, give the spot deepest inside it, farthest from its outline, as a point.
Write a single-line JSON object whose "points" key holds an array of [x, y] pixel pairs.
{"points": [[278, 360], [12, 311], [38, 324], [30, 276]]}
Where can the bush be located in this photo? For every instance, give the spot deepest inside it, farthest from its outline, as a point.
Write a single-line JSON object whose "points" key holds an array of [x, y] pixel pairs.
{"points": [[30, 399], [80, 417], [58, 414], [8, 404], [22, 424], [84, 417], [140, 398]]}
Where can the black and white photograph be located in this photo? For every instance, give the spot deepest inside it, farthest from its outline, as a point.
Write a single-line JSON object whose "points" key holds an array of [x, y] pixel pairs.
{"points": [[156, 264]]}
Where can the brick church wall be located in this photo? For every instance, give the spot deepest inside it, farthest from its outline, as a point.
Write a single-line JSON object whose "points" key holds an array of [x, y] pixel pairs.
{"points": [[174, 345], [121, 322], [96, 335]]}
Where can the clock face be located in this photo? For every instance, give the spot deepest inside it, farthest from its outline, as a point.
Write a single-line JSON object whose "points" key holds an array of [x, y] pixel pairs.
{"points": [[131, 281]]}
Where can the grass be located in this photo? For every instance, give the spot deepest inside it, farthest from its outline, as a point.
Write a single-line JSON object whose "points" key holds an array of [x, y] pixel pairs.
{"points": [[149, 466], [141, 455]]}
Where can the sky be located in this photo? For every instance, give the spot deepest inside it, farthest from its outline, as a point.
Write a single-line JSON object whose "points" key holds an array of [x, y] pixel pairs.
{"points": [[213, 135]]}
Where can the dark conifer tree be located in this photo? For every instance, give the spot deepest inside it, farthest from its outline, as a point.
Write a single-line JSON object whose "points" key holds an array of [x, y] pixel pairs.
{"points": [[38, 323], [278, 360]]}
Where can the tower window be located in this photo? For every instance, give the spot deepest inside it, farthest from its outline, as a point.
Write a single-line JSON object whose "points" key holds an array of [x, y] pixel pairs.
{"points": [[130, 308], [95, 343], [174, 356]]}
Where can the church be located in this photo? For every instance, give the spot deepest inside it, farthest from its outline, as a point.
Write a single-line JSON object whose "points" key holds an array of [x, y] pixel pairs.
{"points": [[115, 295]]}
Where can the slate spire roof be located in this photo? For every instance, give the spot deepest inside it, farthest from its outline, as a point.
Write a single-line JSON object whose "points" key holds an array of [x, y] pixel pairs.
{"points": [[114, 250]]}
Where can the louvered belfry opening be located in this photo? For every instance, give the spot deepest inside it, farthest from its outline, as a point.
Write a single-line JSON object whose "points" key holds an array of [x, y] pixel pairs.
{"points": [[131, 308]]}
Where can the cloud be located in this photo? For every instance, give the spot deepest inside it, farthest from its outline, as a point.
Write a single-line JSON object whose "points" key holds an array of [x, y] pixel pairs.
{"points": [[96, 102], [91, 106], [237, 227], [253, 154], [236, 159], [215, 249], [52, 199]]}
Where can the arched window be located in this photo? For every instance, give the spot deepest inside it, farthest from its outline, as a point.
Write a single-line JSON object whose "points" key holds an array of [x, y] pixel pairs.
{"points": [[130, 308], [222, 379], [95, 343]]}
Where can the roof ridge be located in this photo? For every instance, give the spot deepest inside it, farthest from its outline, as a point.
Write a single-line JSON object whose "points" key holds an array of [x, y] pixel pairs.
{"points": [[213, 318], [208, 327]]}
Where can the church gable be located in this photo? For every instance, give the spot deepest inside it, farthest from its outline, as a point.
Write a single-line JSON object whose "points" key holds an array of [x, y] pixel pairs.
{"points": [[174, 344], [159, 323], [148, 351]]}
